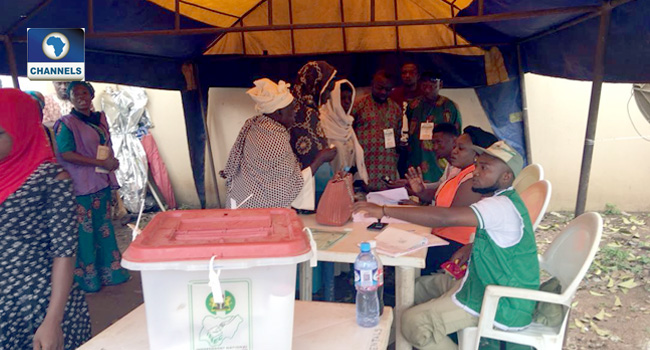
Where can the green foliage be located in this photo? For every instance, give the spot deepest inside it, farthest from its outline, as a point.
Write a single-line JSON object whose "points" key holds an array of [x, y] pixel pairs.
{"points": [[611, 209]]}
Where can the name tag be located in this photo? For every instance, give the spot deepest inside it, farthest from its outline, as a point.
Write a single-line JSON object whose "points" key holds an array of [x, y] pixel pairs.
{"points": [[426, 131], [389, 138]]}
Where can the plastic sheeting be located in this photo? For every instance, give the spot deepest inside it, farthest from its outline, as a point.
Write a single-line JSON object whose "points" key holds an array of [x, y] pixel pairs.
{"points": [[159, 170], [126, 112], [502, 104]]}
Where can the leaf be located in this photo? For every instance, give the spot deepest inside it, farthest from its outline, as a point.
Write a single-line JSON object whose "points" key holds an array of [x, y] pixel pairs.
{"points": [[600, 316], [602, 332], [542, 227], [598, 272], [638, 222], [617, 301], [596, 294], [611, 283], [614, 244], [574, 304], [626, 221], [633, 228], [629, 284], [556, 214], [579, 324]]}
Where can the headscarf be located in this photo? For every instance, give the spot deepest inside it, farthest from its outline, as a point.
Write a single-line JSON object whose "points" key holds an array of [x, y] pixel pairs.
{"points": [[83, 83], [269, 96], [20, 119], [38, 97], [312, 80], [337, 124], [307, 135]]}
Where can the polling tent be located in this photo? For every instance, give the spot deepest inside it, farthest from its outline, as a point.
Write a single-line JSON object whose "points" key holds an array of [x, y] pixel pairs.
{"points": [[190, 45]]}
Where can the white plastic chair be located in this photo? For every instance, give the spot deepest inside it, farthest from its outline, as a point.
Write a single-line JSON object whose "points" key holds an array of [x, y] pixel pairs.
{"points": [[536, 198], [567, 258], [528, 176]]}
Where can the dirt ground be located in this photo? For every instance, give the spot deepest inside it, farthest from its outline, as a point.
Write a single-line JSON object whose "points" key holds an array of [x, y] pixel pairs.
{"points": [[611, 309]]}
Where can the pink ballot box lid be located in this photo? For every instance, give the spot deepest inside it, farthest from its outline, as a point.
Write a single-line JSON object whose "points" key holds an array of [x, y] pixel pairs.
{"points": [[184, 235]]}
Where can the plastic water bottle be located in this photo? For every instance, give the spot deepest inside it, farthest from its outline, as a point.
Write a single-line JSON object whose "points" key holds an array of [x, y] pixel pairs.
{"points": [[365, 281], [380, 276]]}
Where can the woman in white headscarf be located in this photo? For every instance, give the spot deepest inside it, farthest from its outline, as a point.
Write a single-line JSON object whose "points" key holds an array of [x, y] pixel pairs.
{"points": [[337, 123], [262, 170]]}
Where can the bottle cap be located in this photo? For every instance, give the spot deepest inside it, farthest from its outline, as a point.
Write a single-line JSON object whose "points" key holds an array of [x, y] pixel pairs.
{"points": [[365, 247]]}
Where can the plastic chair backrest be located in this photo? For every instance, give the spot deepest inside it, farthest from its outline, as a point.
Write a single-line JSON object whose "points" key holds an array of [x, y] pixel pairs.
{"points": [[528, 176], [536, 198], [571, 253]]}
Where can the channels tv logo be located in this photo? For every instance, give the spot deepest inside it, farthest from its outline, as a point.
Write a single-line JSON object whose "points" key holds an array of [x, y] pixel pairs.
{"points": [[55, 54]]}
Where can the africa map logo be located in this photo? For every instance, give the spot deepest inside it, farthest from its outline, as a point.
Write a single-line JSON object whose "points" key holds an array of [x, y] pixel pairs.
{"points": [[55, 54], [56, 46]]}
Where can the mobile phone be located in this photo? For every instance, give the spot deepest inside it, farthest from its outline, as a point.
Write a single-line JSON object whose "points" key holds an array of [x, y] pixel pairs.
{"points": [[377, 226]]}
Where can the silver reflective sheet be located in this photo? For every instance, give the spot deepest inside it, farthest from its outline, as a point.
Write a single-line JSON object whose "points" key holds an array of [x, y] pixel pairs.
{"points": [[125, 109]]}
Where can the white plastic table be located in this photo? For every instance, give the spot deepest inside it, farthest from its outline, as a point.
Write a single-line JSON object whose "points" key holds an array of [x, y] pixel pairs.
{"points": [[346, 250], [316, 326]]}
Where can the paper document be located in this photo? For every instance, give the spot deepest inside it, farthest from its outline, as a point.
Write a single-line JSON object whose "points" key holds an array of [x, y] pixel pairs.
{"points": [[102, 154], [388, 197], [395, 242]]}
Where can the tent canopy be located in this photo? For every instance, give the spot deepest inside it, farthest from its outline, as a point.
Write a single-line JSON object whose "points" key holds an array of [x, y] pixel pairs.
{"points": [[137, 43]]}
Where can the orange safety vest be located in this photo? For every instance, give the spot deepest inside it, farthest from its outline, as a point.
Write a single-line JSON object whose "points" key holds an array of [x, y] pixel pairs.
{"points": [[444, 198]]}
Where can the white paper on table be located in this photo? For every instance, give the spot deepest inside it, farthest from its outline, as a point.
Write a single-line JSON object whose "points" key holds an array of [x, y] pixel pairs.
{"points": [[395, 242], [388, 197]]}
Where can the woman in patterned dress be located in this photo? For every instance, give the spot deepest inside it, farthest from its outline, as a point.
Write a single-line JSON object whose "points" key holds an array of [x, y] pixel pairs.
{"points": [[39, 306], [81, 137], [262, 171]]}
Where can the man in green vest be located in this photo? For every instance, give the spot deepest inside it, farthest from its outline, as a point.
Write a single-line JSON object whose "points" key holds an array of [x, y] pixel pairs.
{"points": [[503, 253]]}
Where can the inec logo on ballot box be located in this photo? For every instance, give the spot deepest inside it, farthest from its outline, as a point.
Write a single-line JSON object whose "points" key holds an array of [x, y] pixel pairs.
{"points": [[55, 54]]}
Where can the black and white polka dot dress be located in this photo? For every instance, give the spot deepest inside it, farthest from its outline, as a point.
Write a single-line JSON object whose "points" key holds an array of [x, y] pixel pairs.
{"points": [[37, 224]]}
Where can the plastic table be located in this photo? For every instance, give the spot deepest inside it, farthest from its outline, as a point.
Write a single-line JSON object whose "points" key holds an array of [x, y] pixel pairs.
{"points": [[346, 250]]}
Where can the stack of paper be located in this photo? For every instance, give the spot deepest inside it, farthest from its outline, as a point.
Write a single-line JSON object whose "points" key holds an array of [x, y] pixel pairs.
{"points": [[395, 242], [388, 197]]}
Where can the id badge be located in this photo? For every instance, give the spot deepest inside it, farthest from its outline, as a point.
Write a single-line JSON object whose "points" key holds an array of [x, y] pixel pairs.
{"points": [[426, 131], [389, 138]]}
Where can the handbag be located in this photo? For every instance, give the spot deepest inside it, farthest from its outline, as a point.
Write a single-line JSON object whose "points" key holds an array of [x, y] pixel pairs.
{"points": [[335, 206]]}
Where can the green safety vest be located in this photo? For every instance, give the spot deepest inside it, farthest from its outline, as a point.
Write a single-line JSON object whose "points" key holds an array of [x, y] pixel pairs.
{"points": [[516, 266]]}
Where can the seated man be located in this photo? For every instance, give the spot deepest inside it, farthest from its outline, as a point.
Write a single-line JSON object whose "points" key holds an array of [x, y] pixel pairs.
{"points": [[262, 170], [504, 253], [444, 138], [457, 192]]}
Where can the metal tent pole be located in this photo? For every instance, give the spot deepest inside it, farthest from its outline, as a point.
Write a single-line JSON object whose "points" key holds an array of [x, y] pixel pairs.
{"points": [[11, 59], [524, 107], [594, 104]]}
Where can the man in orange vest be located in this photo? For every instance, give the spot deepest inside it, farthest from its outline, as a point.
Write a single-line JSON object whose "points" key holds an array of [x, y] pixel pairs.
{"points": [[457, 192], [444, 138]]}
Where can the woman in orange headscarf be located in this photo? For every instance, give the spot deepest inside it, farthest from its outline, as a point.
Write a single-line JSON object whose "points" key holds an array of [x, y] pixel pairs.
{"points": [[38, 237]]}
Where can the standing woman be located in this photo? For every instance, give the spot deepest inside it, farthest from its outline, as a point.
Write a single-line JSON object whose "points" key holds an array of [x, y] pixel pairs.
{"points": [[39, 307], [82, 136]]}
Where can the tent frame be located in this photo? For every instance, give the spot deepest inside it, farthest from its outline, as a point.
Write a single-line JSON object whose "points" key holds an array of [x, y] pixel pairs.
{"points": [[584, 12]]}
